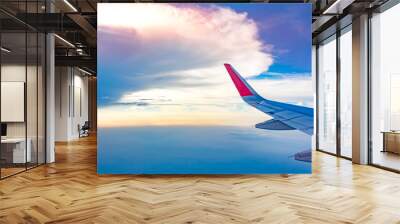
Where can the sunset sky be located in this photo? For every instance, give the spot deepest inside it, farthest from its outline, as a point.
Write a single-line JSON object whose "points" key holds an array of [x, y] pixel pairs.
{"points": [[162, 64]]}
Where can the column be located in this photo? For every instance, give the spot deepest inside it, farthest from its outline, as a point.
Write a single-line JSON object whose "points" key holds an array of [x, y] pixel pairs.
{"points": [[360, 90]]}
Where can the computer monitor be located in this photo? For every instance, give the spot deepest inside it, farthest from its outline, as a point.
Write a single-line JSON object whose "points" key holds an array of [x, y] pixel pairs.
{"points": [[3, 129]]}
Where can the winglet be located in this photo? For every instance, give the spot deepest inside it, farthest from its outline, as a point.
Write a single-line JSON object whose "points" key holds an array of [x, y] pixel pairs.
{"points": [[243, 88]]}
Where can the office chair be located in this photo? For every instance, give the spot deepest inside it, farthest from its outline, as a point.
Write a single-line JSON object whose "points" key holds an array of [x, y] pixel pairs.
{"points": [[84, 130]]}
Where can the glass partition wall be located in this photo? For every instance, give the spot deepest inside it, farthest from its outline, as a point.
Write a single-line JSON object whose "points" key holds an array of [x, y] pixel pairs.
{"points": [[22, 78], [13, 89]]}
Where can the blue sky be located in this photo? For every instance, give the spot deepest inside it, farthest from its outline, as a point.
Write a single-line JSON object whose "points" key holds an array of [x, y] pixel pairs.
{"points": [[287, 28], [162, 64]]}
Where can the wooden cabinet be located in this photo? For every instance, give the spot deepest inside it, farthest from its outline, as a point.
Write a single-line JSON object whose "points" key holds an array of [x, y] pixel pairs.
{"points": [[391, 142]]}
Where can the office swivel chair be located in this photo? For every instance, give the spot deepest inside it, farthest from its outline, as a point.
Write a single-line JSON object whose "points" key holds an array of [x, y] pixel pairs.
{"points": [[84, 130], [3, 130]]}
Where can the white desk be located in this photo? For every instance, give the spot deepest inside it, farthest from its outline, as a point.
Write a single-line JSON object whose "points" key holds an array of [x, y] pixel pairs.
{"points": [[19, 152]]}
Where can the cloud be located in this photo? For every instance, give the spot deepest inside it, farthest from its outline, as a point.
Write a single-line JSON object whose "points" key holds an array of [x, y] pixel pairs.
{"points": [[144, 46], [278, 75], [291, 89], [160, 64], [219, 105]]}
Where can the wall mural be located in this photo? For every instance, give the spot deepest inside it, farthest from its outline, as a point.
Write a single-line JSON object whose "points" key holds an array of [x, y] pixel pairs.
{"points": [[195, 88]]}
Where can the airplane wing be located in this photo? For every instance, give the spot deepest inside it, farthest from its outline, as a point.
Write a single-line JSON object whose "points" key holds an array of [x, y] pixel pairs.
{"points": [[285, 116]]}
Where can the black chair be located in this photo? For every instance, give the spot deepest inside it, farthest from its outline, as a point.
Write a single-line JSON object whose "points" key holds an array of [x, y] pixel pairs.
{"points": [[84, 130]]}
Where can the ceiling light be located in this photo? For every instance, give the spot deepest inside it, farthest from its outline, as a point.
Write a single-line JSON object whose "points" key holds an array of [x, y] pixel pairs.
{"points": [[84, 71], [329, 9], [337, 7], [65, 41], [79, 51], [5, 50], [70, 5]]}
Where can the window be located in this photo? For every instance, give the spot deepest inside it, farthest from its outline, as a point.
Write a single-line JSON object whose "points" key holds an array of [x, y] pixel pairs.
{"points": [[385, 89], [346, 92], [327, 95]]}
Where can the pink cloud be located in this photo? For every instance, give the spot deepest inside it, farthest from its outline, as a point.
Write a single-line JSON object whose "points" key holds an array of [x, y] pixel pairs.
{"points": [[168, 34]]}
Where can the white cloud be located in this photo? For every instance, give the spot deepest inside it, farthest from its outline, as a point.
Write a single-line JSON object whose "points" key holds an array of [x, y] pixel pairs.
{"points": [[163, 38], [296, 89], [172, 58]]}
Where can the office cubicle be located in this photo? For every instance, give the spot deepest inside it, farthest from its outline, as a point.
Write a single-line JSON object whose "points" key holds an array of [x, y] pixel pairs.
{"points": [[22, 78]]}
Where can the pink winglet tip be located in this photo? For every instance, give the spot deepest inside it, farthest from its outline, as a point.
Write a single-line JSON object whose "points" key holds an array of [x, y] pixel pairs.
{"points": [[240, 85]]}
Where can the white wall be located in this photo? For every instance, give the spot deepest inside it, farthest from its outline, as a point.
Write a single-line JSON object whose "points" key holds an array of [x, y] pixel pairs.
{"points": [[71, 102], [80, 105], [17, 73], [33, 126], [62, 82], [14, 73]]}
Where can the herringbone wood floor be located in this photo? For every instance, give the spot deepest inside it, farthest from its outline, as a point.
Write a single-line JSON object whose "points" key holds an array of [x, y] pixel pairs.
{"points": [[70, 191]]}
